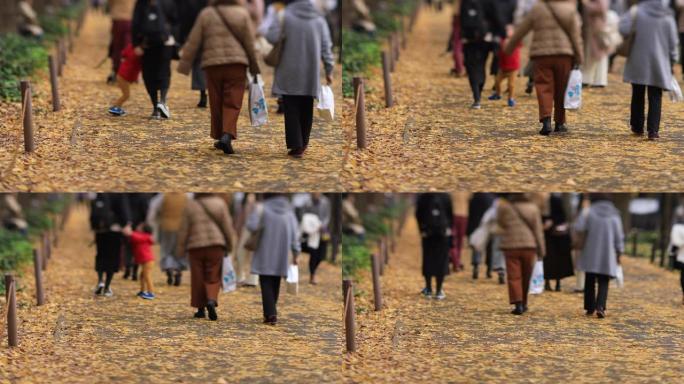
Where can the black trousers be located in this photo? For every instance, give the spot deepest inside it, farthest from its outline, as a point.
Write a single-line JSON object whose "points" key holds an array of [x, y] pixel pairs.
{"points": [[681, 46], [316, 256], [475, 60], [593, 300], [655, 101], [298, 112], [156, 72], [270, 290], [681, 279], [494, 66]]}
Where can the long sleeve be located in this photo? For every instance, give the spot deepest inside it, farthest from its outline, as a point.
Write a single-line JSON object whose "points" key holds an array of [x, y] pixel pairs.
{"points": [[326, 49], [296, 245], [521, 30], [274, 31], [136, 33], [626, 22], [673, 42], [227, 228], [254, 219], [619, 236], [539, 234], [247, 37], [577, 43]]}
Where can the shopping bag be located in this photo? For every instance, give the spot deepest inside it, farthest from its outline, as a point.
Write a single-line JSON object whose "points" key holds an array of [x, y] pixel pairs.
{"points": [[258, 115], [479, 238], [573, 93], [676, 92], [326, 103], [620, 277], [293, 279], [537, 280], [229, 279]]}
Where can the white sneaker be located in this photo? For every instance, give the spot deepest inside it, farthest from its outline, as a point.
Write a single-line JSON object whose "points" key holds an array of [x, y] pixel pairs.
{"points": [[100, 289], [440, 295], [164, 110], [109, 293]]}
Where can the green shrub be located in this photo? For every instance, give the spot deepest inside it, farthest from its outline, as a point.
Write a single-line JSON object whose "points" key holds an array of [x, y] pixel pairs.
{"points": [[355, 256], [360, 52], [15, 250], [19, 58]]}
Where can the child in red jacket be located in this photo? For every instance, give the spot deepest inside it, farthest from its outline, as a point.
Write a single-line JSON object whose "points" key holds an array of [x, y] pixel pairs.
{"points": [[129, 69], [509, 65], [141, 242]]}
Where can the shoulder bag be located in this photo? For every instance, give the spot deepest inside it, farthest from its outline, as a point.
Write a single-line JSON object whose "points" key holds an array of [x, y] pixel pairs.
{"points": [[272, 59], [625, 49], [530, 227], [252, 243]]}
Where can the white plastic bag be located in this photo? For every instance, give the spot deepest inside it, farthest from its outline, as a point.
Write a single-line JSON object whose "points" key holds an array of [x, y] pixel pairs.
{"points": [[676, 92], [293, 279], [326, 103], [620, 277], [258, 113], [479, 238], [573, 93], [229, 279], [537, 280]]}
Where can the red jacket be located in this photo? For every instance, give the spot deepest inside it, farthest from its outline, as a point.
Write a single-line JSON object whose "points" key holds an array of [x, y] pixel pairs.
{"points": [[141, 243], [508, 63]]}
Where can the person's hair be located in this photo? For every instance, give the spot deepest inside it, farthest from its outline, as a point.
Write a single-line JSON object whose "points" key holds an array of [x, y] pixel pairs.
{"points": [[516, 197], [594, 197]]}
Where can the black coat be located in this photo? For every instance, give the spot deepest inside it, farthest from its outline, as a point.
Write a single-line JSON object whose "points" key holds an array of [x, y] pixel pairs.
{"points": [[478, 205], [434, 213], [188, 10], [558, 261], [506, 11], [170, 14], [494, 23], [108, 243]]}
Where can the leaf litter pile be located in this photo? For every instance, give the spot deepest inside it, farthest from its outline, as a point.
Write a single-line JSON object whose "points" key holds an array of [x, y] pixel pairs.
{"points": [[83, 148], [471, 336], [431, 140], [79, 338]]}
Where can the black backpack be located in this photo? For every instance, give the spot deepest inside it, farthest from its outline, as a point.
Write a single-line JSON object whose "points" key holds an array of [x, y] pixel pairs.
{"points": [[473, 21], [101, 214], [436, 218], [154, 29]]}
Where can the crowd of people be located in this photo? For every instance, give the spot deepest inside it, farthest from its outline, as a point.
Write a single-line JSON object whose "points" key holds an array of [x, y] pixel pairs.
{"points": [[222, 45], [512, 232], [262, 234], [567, 35]]}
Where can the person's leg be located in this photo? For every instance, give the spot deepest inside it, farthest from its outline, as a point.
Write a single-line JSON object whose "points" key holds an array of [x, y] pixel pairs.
{"points": [[589, 292], [108, 279], [497, 84], [511, 84], [276, 292], [483, 52], [316, 257], [212, 272], [471, 61], [527, 267], [514, 271], [681, 280], [267, 295], [602, 296], [440, 282], [475, 261], [306, 105], [197, 291], [655, 99], [543, 84], [233, 93], [562, 68], [215, 89], [143, 280], [494, 69], [428, 283], [147, 270], [100, 277], [636, 120], [149, 76], [293, 130], [681, 46], [125, 88]]}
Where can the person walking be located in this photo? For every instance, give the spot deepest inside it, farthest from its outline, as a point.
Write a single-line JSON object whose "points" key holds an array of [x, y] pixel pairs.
{"points": [[223, 36], [434, 214], [315, 242], [595, 67], [677, 245], [206, 234], [460, 203], [168, 217], [278, 247], [153, 28], [109, 215], [521, 238], [477, 206], [121, 12], [558, 261], [244, 255], [556, 48], [651, 61], [305, 42], [603, 241], [187, 14], [455, 45], [679, 9]]}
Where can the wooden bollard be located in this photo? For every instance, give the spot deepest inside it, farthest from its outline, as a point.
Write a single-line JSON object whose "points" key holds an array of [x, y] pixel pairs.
{"points": [[27, 110], [349, 315], [390, 48], [360, 113], [395, 46], [381, 252], [43, 253], [377, 292], [58, 58], [37, 268], [54, 85], [403, 33], [11, 288], [55, 231], [385, 250], [389, 100], [48, 244], [62, 51]]}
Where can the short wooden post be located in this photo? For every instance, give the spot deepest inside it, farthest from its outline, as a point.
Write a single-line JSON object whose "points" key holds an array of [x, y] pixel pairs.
{"points": [[58, 58], [62, 51], [54, 85], [403, 33], [390, 49], [385, 250], [11, 288], [395, 46], [349, 315], [360, 113], [389, 100], [43, 253], [37, 268], [27, 111], [377, 293]]}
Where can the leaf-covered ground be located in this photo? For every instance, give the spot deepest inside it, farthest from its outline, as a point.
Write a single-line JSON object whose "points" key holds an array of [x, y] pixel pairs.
{"points": [[431, 140], [83, 148], [472, 337], [77, 337]]}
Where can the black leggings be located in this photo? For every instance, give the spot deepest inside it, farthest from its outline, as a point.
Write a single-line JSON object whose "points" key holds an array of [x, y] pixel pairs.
{"points": [[298, 112], [270, 290], [438, 279], [108, 280], [593, 300], [655, 98], [316, 256], [475, 60], [156, 72]]}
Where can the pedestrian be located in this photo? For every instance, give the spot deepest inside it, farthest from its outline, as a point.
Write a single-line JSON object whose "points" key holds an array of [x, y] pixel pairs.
{"points": [[522, 8], [244, 255], [509, 65], [223, 36], [121, 12], [558, 261], [305, 42], [127, 74], [315, 241], [603, 241], [480, 25], [187, 14], [141, 242], [168, 217], [651, 61], [109, 215], [679, 8], [477, 206], [460, 203], [455, 45], [275, 226], [434, 214], [206, 234], [139, 205], [677, 246], [153, 28], [556, 48], [521, 238], [597, 48]]}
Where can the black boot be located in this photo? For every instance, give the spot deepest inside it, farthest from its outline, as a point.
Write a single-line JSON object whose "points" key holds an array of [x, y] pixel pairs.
{"points": [[519, 309], [127, 273], [225, 144], [546, 127], [560, 128], [211, 308], [203, 100], [177, 279], [502, 278], [200, 314], [134, 273], [558, 287], [475, 272], [547, 285], [169, 277]]}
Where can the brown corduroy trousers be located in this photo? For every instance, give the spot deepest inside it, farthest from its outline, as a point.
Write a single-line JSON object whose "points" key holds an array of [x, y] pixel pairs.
{"points": [[551, 74], [226, 88], [205, 274], [519, 267]]}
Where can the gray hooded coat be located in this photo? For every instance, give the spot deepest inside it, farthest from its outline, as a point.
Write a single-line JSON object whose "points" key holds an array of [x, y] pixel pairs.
{"points": [[656, 45], [280, 235], [604, 238], [307, 42]]}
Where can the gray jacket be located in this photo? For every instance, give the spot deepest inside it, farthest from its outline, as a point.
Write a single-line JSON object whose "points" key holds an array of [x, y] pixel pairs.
{"points": [[604, 238], [307, 42], [656, 45], [280, 235]]}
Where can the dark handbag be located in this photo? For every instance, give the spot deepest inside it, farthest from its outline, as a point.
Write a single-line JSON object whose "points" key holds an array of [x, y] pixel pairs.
{"points": [[252, 243], [531, 228], [625, 49], [272, 59]]}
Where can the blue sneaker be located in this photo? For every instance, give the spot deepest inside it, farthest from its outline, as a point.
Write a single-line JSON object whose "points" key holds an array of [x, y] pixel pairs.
{"points": [[148, 295], [495, 96], [511, 103], [140, 294], [116, 111]]}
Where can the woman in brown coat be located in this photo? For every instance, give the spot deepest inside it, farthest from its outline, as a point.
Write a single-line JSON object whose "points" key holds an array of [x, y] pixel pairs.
{"points": [[522, 241], [206, 233], [556, 48], [225, 35]]}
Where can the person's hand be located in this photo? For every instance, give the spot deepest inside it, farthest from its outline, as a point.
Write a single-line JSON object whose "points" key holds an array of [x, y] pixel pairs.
{"points": [[295, 256], [138, 51], [329, 78]]}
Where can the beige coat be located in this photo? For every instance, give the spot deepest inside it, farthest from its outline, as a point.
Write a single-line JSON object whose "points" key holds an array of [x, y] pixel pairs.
{"points": [[514, 233], [549, 38], [198, 230], [171, 211], [218, 45], [121, 9]]}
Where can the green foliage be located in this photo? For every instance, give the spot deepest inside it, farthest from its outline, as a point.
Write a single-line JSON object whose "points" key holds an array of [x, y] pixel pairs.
{"points": [[359, 52], [355, 256], [19, 58], [15, 250]]}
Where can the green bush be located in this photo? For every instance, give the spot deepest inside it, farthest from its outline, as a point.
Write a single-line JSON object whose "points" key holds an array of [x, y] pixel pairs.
{"points": [[360, 52], [19, 58], [355, 256], [15, 250]]}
